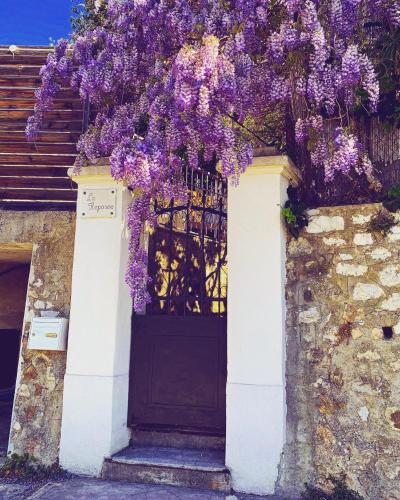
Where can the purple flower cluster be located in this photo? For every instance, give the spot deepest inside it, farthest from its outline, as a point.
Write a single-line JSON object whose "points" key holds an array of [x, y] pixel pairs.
{"points": [[182, 81], [346, 154]]}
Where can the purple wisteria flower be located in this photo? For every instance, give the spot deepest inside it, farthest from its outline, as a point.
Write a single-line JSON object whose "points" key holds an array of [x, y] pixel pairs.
{"points": [[184, 81]]}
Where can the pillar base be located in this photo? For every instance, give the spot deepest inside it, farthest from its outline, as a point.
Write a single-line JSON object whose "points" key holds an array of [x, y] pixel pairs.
{"points": [[254, 436], [100, 430]]}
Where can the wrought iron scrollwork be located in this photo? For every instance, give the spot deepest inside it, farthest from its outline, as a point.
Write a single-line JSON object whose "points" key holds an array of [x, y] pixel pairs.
{"points": [[188, 250]]}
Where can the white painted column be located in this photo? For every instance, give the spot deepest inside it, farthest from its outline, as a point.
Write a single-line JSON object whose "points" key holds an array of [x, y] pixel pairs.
{"points": [[256, 417], [94, 420]]}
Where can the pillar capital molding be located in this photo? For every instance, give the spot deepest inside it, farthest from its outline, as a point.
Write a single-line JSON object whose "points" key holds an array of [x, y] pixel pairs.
{"points": [[277, 164], [95, 174]]}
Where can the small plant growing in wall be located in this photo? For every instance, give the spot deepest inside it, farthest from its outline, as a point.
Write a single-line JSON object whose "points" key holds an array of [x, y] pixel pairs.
{"points": [[382, 222], [18, 466], [26, 467], [392, 199], [339, 491], [294, 213]]}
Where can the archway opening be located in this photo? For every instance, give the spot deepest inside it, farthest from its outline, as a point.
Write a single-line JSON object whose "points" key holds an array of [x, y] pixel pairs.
{"points": [[14, 275]]}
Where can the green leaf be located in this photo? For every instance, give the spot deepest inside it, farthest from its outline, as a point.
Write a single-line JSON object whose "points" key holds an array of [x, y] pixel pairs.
{"points": [[289, 215]]}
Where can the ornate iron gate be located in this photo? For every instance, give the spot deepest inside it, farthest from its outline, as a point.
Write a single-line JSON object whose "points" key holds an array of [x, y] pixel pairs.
{"points": [[188, 251], [178, 358]]}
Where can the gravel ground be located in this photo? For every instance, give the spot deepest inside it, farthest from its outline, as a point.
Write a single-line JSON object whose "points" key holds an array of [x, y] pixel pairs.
{"points": [[12, 489]]}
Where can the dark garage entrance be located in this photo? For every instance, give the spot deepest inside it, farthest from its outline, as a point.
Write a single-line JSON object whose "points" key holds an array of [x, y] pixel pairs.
{"points": [[13, 285], [178, 356]]}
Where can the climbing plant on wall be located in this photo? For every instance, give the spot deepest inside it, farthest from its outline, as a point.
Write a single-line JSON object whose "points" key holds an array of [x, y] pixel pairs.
{"points": [[193, 81]]}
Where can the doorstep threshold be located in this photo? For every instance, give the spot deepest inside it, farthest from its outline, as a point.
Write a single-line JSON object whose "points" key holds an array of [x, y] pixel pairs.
{"points": [[176, 458]]}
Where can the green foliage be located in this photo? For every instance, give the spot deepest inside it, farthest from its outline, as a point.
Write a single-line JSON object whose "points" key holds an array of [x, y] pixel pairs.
{"points": [[289, 215], [293, 213], [394, 192], [26, 467], [273, 130], [85, 16], [340, 491], [392, 200]]}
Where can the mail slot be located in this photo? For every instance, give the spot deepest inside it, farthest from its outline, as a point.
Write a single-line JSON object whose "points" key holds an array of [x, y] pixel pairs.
{"points": [[48, 334]]}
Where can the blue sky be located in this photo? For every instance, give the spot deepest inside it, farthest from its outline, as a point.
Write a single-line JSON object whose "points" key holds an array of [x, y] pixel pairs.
{"points": [[33, 22]]}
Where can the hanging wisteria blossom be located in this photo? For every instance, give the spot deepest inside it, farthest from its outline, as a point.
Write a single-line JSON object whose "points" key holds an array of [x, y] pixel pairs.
{"points": [[179, 82]]}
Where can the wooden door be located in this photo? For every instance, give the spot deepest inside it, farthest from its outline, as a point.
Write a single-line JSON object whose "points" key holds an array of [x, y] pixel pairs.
{"points": [[178, 374]]}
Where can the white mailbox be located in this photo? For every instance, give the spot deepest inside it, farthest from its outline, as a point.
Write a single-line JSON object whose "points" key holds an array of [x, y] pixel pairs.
{"points": [[48, 334]]}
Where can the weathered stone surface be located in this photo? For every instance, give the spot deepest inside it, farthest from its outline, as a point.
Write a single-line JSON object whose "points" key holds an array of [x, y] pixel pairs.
{"points": [[203, 469], [377, 334], [363, 239], [390, 275], [367, 291], [343, 376], [37, 414], [394, 234], [380, 253], [368, 356], [334, 242], [351, 269], [325, 224], [299, 247], [345, 256], [392, 303], [309, 316], [361, 219], [356, 333]]}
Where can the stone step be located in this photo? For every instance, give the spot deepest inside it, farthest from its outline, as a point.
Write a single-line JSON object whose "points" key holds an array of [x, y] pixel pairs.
{"points": [[195, 468], [176, 439]]}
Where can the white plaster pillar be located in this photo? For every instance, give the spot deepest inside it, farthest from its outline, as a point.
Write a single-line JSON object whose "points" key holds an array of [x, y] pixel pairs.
{"points": [[94, 420], [256, 414]]}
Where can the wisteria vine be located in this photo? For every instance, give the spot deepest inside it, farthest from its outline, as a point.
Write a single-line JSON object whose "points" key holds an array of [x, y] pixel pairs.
{"points": [[178, 82]]}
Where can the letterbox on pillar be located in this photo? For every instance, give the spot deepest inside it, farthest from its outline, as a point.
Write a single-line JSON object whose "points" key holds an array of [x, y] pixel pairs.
{"points": [[48, 334]]}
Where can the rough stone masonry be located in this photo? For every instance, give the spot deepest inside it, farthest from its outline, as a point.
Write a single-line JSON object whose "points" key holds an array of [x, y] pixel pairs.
{"points": [[343, 353], [36, 423]]}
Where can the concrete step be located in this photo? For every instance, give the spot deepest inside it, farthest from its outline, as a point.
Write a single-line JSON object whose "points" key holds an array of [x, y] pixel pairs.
{"points": [[195, 468], [176, 439]]}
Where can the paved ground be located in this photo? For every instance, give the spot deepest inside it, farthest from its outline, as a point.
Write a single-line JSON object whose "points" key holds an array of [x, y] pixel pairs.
{"points": [[88, 488]]}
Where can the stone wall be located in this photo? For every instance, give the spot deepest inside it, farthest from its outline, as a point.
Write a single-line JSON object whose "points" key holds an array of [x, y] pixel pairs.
{"points": [[343, 375], [36, 422]]}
